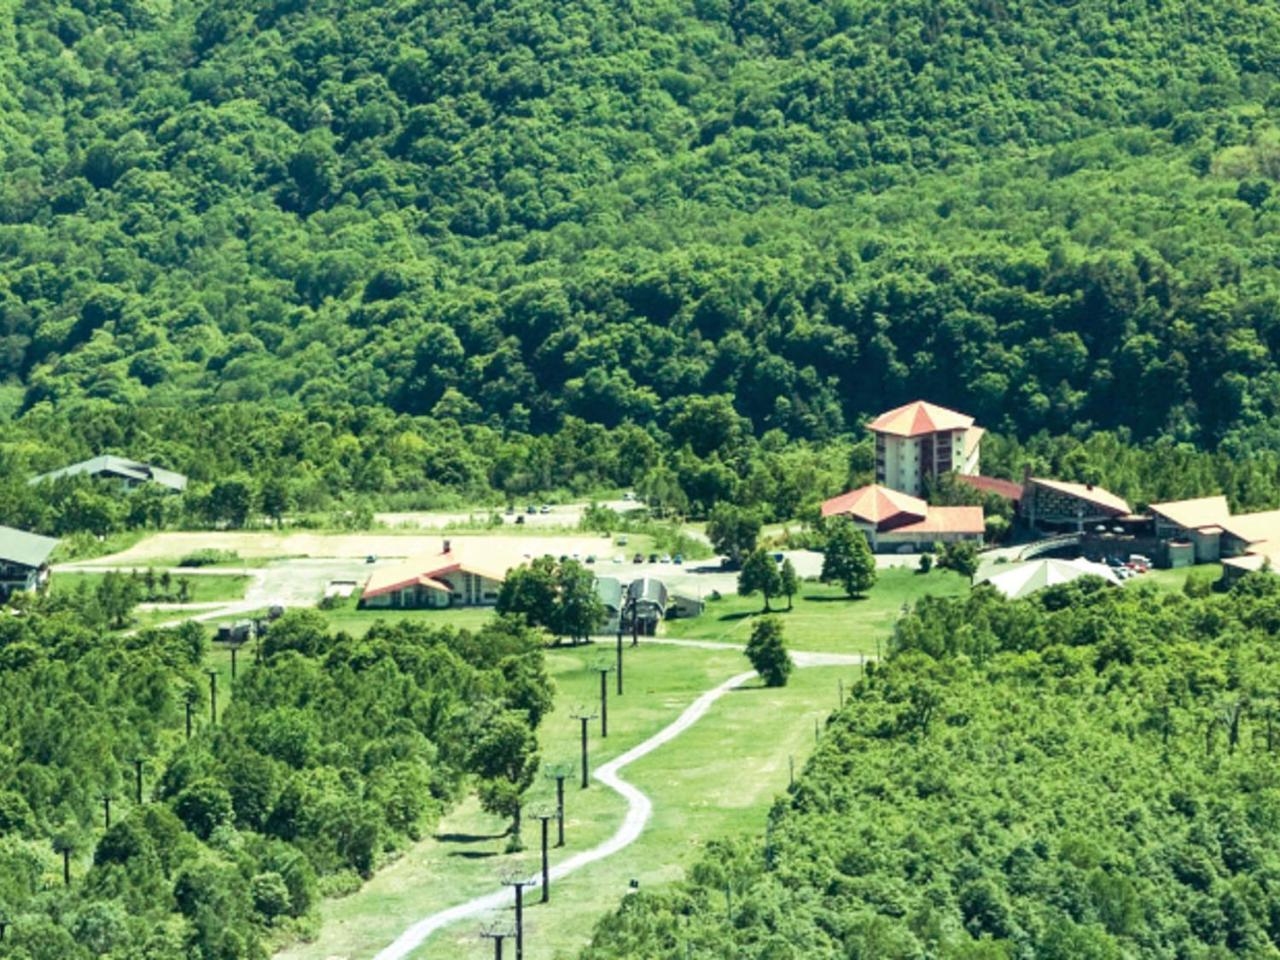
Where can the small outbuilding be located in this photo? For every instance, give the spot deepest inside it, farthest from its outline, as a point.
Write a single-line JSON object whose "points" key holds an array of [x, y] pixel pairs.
{"points": [[128, 473], [24, 561]]}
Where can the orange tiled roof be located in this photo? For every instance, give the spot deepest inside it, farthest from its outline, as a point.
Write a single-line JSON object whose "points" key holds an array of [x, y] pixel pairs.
{"points": [[1004, 488], [919, 418], [1194, 514], [1090, 494], [947, 520], [426, 570], [874, 504]]}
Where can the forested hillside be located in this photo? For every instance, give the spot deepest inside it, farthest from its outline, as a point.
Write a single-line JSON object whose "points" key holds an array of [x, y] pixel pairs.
{"points": [[1088, 775], [1050, 215], [327, 758]]}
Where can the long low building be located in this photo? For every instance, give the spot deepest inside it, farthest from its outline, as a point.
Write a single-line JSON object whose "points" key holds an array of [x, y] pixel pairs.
{"points": [[445, 579], [897, 521], [1062, 505], [24, 561], [128, 473]]}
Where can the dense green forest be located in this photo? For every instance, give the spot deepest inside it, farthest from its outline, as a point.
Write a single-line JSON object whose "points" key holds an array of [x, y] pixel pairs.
{"points": [[1051, 215], [1090, 774], [327, 757]]}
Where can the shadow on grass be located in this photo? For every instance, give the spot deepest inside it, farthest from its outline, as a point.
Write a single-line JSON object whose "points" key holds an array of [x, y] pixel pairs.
{"points": [[473, 854], [835, 599], [468, 837]]}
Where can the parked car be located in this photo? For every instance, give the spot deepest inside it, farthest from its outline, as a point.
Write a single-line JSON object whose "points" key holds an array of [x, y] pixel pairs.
{"points": [[638, 558], [591, 558], [622, 540], [544, 509], [531, 509], [678, 559], [665, 558], [520, 519], [777, 557], [618, 558], [371, 558]]}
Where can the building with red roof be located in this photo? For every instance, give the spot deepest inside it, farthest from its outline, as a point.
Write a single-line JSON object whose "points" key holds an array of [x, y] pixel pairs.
{"points": [[917, 442], [896, 521], [448, 579]]}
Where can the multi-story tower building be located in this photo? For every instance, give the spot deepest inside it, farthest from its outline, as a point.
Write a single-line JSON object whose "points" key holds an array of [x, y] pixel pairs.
{"points": [[920, 441]]}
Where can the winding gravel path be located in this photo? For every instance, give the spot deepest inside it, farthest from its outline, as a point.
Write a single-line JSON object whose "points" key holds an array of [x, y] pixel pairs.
{"points": [[639, 806]]}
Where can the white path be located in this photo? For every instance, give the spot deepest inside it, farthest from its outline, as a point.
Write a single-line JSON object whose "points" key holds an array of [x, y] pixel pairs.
{"points": [[639, 806]]}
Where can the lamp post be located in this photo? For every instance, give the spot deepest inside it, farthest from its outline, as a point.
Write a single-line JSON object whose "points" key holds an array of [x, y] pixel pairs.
{"points": [[584, 716]]}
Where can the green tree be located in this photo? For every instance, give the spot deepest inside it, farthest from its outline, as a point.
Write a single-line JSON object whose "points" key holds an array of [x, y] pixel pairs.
{"points": [[788, 582], [960, 556], [847, 558], [505, 759], [579, 610], [733, 531], [767, 651], [760, 574], [532, 592]]}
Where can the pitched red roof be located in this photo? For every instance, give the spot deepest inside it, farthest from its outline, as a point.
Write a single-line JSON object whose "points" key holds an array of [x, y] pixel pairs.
{"points": [[1001, 488], [918, 418], [875, 504], [947, 520], [426, 571]]}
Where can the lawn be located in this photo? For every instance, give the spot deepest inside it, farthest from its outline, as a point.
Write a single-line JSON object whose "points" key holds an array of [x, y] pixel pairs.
{"points": [[357, 622], [1174, 579], [717, 778], [823, 618], [204, 589]]}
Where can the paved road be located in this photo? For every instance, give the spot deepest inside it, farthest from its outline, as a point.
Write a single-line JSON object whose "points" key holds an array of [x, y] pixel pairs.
{"points": [[639, 806]]}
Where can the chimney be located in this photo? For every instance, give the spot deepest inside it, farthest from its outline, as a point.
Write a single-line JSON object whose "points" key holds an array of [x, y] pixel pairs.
{"points": [[447, 546]]}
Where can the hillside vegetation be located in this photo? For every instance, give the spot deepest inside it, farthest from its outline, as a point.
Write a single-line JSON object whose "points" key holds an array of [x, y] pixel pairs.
{"points": [[1090, 775], [1050, 215]]}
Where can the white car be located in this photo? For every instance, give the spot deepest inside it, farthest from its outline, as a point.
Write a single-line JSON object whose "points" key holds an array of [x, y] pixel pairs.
{"points": [[618, 558]]}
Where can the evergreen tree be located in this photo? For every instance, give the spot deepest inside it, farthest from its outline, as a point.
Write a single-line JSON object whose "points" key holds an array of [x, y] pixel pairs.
{"points": [[760, 574], [767, 652], [847, 558]]}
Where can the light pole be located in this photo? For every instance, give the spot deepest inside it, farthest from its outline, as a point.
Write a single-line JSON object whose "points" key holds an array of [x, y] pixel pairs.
{"points": [[584, 716], [106, 811]]}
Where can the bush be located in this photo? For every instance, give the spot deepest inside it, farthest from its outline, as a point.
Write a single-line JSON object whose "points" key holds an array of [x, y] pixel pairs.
{"points": [[207, 557]]}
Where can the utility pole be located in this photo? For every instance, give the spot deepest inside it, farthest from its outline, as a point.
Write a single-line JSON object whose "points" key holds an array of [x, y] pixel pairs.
{"points": [[213, 697], [191, 700], [619, 657], [498, 932], [234, 648], [106, 811], [545, 815], [603, 667], [518, 881], [559, 772], [137, 779], [584, 716]]}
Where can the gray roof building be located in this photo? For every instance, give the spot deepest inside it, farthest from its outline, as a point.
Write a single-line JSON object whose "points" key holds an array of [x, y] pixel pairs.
{"points": [[131, 472], [609, 590], [19, 548]]}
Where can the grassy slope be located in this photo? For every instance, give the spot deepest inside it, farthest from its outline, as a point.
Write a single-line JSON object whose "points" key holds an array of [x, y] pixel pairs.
{"points": [[822, 618], [718, 778], [204, 589]]}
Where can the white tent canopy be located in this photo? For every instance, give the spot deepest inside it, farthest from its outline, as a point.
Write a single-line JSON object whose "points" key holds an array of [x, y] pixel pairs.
{"points": [[1023, 579]]}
